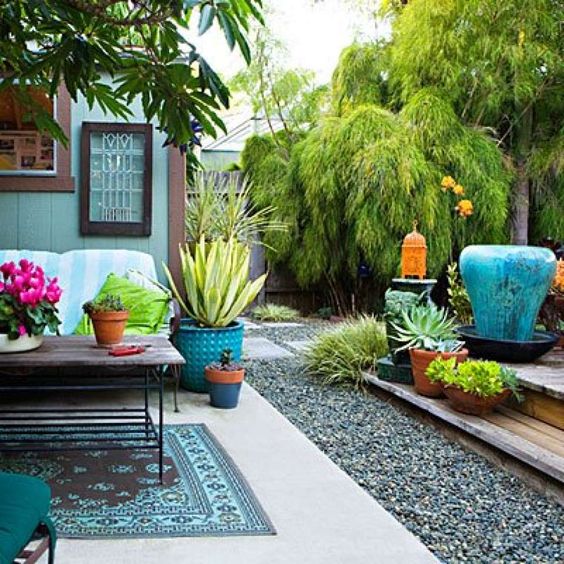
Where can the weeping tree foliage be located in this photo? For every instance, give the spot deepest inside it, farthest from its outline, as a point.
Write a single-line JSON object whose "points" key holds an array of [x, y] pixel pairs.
{"points": [[499, 64], [463, 88], [359, 77], [354, 184]]}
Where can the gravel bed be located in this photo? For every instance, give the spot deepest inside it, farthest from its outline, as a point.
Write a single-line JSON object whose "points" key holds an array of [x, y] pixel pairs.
{"points": [[460, 505]]}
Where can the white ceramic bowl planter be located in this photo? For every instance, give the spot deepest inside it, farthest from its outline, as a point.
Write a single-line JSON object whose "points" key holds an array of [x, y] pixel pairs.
{"points": [[21, 344]]}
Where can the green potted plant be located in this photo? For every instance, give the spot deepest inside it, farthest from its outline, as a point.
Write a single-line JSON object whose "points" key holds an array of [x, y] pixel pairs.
{"points": [[475, 386], [28, 306], [427, 332], [216, 283], [109, 317], [224, 379], [396, 302]]}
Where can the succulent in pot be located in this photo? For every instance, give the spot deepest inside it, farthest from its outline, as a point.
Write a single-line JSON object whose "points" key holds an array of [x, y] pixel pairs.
{"points": [[475, 386], [396, 302], [428, 332], [225, 378], [218, 289], [109, 317]]}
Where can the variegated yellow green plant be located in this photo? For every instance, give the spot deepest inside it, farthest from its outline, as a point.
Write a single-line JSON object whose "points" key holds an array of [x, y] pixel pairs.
{"points": [[216, 281]]}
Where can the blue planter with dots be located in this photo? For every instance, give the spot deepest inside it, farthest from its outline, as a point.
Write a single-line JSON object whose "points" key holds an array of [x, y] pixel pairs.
{"points": [[201, 346]]}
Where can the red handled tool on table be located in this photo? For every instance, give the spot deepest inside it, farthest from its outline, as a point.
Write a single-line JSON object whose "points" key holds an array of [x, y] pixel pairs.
{"points": [[127, 350]]}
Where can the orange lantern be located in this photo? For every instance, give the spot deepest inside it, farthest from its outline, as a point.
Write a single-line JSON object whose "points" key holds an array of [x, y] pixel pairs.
{"points": [[414, 255]]}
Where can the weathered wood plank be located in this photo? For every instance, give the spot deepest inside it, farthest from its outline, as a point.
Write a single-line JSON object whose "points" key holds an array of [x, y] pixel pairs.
{"points": [[543, 407], [545, 375], [527, 432], [73, 351], [524, 450], [531, 421]]}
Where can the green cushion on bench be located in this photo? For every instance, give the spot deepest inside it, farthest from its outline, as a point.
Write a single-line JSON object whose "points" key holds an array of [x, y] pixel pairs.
{"points": [[24, 503]]}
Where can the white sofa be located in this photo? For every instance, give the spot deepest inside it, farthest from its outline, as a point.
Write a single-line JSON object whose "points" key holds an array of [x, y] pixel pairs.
{"points": [[82, 273]]}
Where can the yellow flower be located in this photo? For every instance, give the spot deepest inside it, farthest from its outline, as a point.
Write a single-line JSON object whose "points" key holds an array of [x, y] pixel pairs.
{"points": [[448, 182], [521, 40], [465, 208], [458, 190], [558, 283]]}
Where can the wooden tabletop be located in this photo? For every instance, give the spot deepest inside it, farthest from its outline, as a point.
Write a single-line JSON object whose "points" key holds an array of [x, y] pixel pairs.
{"points": [[76, 350]]}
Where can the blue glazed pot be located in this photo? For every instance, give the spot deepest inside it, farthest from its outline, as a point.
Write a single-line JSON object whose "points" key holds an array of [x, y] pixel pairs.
{"points": [[201, 346], [507, 285], [224, 396]]}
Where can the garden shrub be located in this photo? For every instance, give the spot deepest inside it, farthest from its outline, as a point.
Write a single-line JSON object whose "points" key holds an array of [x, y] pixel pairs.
{"points": [[274, 312], [339, 356]]}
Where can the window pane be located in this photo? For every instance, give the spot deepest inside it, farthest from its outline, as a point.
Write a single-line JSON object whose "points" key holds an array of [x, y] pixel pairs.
{"points": [[22, 147], [116, 177]]}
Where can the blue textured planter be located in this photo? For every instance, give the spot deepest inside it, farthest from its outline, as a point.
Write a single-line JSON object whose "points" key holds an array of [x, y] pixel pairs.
{"points": [[224, 396], [507, 285], [201, 346]]}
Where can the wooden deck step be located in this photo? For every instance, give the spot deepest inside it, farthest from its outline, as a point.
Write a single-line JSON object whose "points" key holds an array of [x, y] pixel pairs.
{"points": [[531, 441], [542, 383]]}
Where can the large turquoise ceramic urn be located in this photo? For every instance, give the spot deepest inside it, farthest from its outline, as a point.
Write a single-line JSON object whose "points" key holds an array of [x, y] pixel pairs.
{"points": [[506, 285]]}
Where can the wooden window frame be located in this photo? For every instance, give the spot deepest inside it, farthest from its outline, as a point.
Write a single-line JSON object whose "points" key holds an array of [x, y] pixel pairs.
{"points": [[61, 181], [88, 227]]}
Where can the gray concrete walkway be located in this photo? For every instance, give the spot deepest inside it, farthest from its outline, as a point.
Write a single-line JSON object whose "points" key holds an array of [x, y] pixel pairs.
{"points": [[321, 515]]}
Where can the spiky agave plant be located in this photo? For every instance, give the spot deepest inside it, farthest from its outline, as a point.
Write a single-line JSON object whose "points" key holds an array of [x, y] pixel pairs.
{"points": [[427, 328], [216, 281]]}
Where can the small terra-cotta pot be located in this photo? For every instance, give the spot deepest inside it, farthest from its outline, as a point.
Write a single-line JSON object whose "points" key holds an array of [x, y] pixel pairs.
{"points": [[420, 360], [472, 404], [224, 386], [109, 327]]}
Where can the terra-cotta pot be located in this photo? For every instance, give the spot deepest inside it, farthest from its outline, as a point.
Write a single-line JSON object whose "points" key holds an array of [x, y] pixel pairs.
{"points": [[473, 404], [109, 326], [224, 386], [420, 360], [21, 344]]}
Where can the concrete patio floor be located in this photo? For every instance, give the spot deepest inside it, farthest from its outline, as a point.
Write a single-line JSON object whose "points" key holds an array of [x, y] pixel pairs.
{"points": [[321, 515]]}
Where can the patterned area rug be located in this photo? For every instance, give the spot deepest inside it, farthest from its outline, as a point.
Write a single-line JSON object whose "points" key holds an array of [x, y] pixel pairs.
{"points": [[115, 493]]}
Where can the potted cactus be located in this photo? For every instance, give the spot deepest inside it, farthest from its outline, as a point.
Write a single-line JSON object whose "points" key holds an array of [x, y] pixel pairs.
{"points": [[475, 386], [109, 317], [225, 378], [218, 290], [427, 332]]}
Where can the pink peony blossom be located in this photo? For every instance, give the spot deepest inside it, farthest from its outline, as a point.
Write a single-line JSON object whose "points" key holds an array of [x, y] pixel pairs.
{"points": [[22, 330]]}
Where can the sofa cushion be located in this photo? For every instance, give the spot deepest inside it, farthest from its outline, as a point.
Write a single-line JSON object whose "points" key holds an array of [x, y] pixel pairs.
{"points": [[82, 273], [147, 308], [24, 503]]}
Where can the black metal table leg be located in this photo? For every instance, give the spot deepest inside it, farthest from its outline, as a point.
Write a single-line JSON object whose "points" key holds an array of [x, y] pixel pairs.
{"points": [[176, 374], [160, 376], [147, 402]]}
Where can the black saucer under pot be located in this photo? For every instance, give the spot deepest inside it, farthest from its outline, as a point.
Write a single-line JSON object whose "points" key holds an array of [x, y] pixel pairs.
{"points": [[507, 351]]}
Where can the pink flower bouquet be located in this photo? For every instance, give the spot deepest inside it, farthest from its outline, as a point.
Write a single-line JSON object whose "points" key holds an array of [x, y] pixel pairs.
{"points": [[27, 300]]}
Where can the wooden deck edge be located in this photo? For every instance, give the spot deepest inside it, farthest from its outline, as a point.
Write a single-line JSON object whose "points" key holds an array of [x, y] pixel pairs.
{"points": [[542, 459]]}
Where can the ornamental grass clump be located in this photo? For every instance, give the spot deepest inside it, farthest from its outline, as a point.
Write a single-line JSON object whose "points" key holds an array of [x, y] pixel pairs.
{"points": [[341, 355], [275, 312]]}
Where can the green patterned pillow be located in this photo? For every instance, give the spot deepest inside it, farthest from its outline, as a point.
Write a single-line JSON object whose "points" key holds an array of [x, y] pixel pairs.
{"points": [[147, 308]]}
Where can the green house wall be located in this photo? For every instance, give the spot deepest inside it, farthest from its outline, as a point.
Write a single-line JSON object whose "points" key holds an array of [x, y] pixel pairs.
{"points": [[51, 221]]}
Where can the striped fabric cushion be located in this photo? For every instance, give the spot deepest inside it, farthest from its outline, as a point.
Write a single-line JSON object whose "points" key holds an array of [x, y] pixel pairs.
{"points": [[81, 274]]}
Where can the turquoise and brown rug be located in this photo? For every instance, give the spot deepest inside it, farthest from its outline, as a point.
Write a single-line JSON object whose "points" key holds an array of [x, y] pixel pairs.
{"points": [[116, 493]]}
